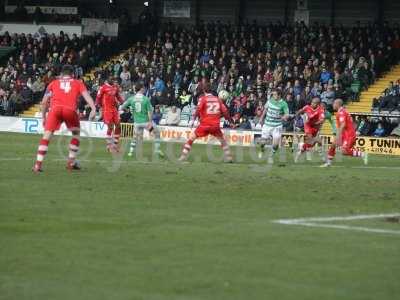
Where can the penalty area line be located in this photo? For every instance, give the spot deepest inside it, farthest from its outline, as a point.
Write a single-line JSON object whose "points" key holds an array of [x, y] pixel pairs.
{"points": [[321, 222]]}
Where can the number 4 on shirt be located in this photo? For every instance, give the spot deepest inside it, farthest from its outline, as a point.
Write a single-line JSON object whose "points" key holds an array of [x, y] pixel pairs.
{"points": [[65, 86]]}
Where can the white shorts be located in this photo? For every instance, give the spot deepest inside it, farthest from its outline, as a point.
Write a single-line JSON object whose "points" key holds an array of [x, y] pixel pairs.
{"points": [[272, 132], [141, 127]]}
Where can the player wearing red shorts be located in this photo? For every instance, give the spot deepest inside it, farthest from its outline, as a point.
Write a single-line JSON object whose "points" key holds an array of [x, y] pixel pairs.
{"points": [[62, 96], [108, 99], [315, 118], [346, 135], [209, 109]]}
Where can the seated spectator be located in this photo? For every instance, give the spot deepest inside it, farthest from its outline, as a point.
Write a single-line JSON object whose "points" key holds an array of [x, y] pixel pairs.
{"points": [[325, 76], [248, 110], [173, 117], [396, 132], [291, 104], [328, 96], [184, 99], [363, 126], [245, 124], [157, 115], [379, 131]]}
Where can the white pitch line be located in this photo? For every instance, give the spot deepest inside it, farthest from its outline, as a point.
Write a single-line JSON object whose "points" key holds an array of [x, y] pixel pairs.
{"points": [[361, 167], [10, 159], [336, 218], [346, 227], [320, 222]]}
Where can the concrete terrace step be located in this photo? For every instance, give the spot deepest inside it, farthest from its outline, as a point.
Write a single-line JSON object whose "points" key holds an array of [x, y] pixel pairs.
{"points": [[374, 91]]}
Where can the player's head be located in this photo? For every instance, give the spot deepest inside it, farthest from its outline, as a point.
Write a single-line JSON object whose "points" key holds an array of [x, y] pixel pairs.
{"points": [[139, 87], [338, 103], [112, 79], [67, 70], [205, 86], [276, 94], [315, 102]]}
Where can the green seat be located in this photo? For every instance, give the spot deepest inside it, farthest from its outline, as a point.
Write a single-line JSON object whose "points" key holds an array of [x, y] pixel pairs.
{"points": [[185, 117]]}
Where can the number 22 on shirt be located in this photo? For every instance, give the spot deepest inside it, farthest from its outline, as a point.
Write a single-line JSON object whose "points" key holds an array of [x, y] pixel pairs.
{"points": [[212, 109]]}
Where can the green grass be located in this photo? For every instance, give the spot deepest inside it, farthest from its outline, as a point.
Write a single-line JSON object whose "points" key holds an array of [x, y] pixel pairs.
{"points": [[155, 231]]}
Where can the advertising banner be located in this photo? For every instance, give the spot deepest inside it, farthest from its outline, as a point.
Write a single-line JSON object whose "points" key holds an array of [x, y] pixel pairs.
{"points": [[39, 30], [176, 9], [106, 27], [48, 10]]}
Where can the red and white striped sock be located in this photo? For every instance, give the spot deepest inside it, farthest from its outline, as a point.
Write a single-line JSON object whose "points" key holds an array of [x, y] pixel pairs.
{"points": [[227, 151], [109, 137], [357, 153], [73, 149], [186, 149], [42, 151], [117, 135]]}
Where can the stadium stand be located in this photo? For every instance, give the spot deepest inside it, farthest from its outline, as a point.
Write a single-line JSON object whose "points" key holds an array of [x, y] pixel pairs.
{"points": [[37, 60], [250, 61]]}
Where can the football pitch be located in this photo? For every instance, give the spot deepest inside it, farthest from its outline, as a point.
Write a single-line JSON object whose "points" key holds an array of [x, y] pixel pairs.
{"points": [[134, 229]]}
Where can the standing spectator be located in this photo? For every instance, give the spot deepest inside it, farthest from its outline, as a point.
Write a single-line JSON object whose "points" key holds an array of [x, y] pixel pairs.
{"points": [[159, 85], [125, 78]]}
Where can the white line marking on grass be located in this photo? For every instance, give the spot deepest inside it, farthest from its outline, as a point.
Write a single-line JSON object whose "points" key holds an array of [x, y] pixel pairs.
{"points": [[363, 167], [10, 159], [316, 222]]}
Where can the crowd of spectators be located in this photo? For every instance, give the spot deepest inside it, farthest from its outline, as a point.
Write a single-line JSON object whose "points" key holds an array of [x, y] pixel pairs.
{"points": [[376, 126], [250, 61], [389, 101], [37, 60]]}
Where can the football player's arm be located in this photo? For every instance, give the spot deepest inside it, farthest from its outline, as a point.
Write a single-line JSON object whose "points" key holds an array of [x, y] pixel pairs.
{"points": [[340, 129], [321, 119], [125, 105], [149, 113], [264, 113], [225, 112], [300, 112], [89, 100], [99, 96], [45, 105], [196, 113], [120, 99]]}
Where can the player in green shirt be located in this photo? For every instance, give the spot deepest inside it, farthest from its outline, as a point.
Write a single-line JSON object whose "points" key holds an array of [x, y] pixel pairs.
{"points": [[330, 119], [276, 111], [142, 112]]}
